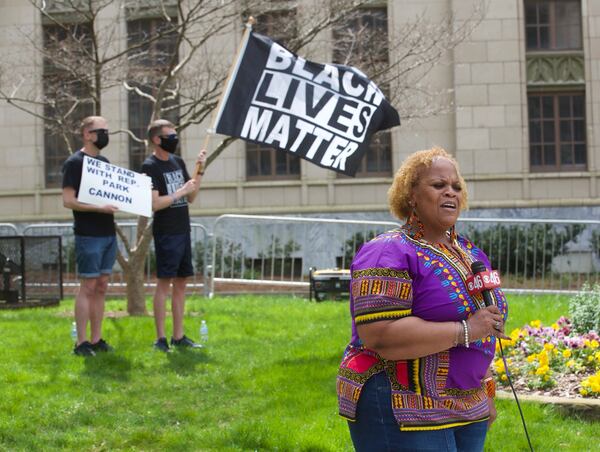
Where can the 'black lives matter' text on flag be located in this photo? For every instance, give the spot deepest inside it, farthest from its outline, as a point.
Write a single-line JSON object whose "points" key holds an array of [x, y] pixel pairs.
{"points": [[324, 113]]}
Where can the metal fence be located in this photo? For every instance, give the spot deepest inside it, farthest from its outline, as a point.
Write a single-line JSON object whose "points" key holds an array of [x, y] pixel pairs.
{"points": [[539, 254], [275, 253], [200, 248], [30, 269], [531, 255], [8, 229]]}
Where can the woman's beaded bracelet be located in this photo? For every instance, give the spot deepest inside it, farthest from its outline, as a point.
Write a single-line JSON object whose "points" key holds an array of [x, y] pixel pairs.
{"points": [[466, 331], [457, 333]]}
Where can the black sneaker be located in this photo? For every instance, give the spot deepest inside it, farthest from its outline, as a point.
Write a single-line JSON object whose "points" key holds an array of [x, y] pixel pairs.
{"points": [[162, 345], [84, 349], [102, 346], [184, 342]]}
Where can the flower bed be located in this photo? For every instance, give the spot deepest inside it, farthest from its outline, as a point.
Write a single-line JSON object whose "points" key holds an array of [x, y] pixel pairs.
{"points": [[551, 360]]}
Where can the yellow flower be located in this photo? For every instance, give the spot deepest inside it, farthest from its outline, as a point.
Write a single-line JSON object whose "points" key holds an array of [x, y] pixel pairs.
{"points": [[531, 358], [590, 358], [566, 353], [594, 344], [504, 377], [542, 370], [570, 363], [546, 377], [555, 326], [499, 366], [587, 343], [536, 323], [514, 334], [548, 346], [583, 392], [543, 358]]}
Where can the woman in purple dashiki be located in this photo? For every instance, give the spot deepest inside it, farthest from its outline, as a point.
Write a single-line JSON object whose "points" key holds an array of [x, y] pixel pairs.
{"points": [[416, 374]]}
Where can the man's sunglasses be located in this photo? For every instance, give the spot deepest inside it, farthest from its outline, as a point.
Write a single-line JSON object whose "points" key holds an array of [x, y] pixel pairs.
{"points": [[171, 136]]}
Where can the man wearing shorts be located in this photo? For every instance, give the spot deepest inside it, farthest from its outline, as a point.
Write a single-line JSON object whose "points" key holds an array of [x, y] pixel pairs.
{"points": [[172, 190], [95, 240]]}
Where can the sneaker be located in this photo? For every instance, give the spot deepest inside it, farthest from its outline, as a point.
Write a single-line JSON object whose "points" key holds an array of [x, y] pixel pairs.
{"points": [[84, 349], [184, 342], [102, 346], [162, 345]]}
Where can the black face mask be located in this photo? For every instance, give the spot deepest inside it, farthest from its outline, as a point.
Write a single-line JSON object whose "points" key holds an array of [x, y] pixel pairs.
{"points": [[101, 138], [169, 143]]}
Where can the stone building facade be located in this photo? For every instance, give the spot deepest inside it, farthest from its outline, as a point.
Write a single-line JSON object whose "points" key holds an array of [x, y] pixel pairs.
{"points": [[525, 94]]}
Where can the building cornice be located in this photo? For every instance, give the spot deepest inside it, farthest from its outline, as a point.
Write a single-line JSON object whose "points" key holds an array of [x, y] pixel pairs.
{"points": [[337, 182], [325, 209]]}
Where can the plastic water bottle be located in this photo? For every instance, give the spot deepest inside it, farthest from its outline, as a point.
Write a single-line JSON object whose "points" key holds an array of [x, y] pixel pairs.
{"points": [[74, 332], [203, 333]]}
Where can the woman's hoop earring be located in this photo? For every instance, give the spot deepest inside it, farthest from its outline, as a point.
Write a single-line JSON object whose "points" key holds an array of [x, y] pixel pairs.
{"points": [[452, 232], [414, 226]]}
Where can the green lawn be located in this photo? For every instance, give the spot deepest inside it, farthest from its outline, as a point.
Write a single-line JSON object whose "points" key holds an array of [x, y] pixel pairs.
{"points": [[266, 382]]}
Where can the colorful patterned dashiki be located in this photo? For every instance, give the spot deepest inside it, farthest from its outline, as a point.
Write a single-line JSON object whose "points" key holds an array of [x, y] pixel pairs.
{"points": [[395, 276]]}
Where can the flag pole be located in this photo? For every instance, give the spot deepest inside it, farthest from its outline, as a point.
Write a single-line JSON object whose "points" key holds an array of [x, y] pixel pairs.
{"points": [[216, 116]]}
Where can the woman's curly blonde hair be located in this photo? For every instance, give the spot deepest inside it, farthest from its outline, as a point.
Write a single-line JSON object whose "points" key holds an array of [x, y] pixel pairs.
{"points": [[407, 177]]}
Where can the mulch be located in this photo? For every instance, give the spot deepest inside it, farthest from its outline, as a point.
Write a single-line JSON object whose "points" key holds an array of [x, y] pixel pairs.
{"points": [[567, 385]]}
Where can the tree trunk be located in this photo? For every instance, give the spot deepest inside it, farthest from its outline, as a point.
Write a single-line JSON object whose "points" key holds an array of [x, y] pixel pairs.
{"points": [[136, 291], [133, 266]]}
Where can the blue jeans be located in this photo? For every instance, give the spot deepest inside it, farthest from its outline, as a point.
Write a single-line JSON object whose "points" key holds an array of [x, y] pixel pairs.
{"points": [[95, 255], [376, 428]]}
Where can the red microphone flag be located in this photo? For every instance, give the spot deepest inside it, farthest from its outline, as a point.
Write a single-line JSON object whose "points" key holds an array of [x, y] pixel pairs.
{"points": [[486, 280]]}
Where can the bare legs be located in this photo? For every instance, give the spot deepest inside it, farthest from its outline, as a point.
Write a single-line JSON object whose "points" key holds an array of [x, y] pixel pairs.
{"points": [[89, 306], [177, 305]]}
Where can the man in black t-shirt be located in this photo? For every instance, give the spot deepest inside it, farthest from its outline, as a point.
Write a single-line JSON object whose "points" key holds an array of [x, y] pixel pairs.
{"points": [[95, 240], [172, 190]]}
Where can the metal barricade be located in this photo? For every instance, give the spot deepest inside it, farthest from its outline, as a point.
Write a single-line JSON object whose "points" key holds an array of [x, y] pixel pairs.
{"points": [[8, 229], [538, 254], [200, 249], [201, 240], [65, 230], [532, 255], [277, 251]]}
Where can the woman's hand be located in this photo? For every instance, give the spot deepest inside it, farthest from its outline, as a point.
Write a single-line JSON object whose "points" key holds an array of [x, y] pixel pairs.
{"points": [[485, 322]]}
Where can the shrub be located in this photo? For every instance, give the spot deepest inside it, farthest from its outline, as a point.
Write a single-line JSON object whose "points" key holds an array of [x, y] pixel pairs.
{"points": [[522, 249], [585, 309], [351, 247]]}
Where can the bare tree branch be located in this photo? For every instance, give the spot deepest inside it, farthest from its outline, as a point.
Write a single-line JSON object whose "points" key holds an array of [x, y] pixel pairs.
{"points": [[171, 66], [123, 238], [131, 135]]}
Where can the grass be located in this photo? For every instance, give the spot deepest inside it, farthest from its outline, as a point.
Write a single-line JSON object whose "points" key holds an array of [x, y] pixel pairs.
{"points": [[266, 382]]}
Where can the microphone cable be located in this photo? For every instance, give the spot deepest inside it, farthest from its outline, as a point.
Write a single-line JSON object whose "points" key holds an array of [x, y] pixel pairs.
{"points": [[480, 267], [514, 393]]}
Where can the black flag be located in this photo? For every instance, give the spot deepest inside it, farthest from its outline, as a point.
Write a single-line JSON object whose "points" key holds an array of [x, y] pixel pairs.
{"points": [[324, 113]]}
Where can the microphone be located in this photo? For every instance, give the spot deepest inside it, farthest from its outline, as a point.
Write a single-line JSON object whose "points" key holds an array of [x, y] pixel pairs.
{"points": [[483, 281]]}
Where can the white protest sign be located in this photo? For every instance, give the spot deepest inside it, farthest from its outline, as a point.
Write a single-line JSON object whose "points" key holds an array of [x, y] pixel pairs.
{"points": [[103, 183]]}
